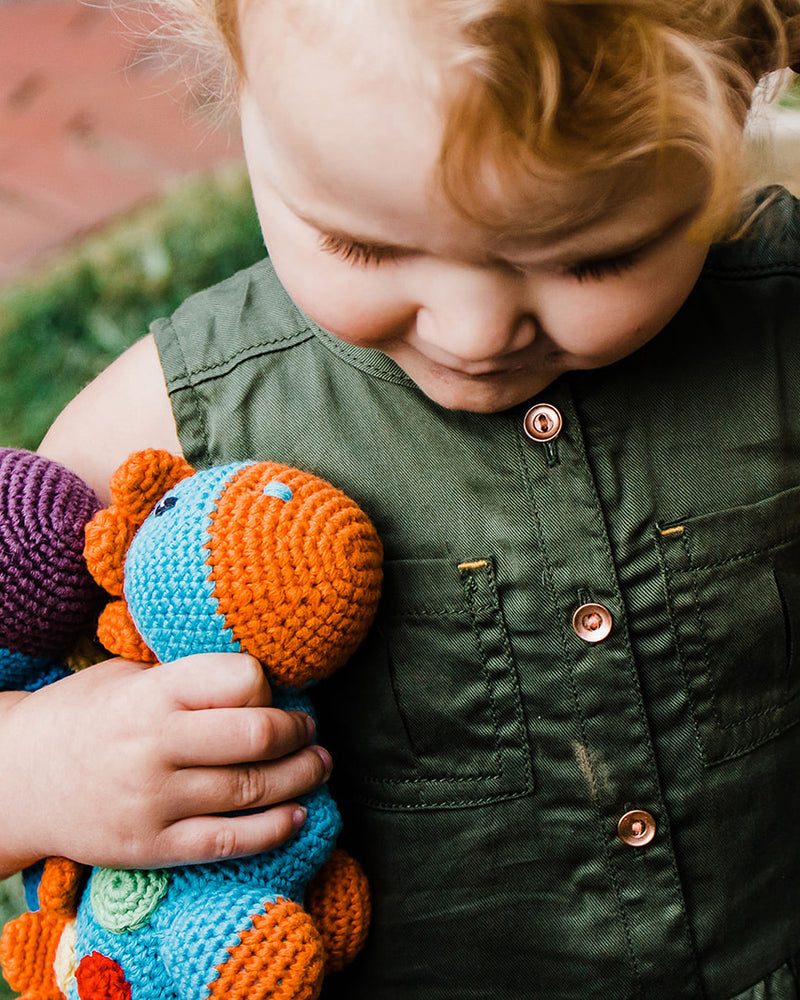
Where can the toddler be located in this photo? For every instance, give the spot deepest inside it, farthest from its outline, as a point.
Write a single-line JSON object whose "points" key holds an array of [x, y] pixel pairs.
{"points": [[504, 310]]}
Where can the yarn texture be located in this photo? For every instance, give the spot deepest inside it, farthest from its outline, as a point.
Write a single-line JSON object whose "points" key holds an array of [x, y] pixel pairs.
{"points": [[47, 596], [253, 557]]}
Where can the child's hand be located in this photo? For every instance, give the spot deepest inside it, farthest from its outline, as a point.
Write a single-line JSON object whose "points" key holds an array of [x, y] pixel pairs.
{"points": [[126, 766]]}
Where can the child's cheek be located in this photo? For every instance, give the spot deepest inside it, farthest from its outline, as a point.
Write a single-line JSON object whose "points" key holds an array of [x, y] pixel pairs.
{"points": [[357, 305]]}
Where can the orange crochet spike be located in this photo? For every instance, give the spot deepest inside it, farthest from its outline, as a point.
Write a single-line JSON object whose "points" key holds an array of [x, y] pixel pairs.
{"points": [[136, 488], [108, 536], [61, 886], [141, 481], [27, 953], [339, 903], [281, 957], [116, 631]]}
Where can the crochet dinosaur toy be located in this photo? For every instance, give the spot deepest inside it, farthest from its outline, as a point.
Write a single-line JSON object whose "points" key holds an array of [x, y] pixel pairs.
{"points": [[260, 558]]}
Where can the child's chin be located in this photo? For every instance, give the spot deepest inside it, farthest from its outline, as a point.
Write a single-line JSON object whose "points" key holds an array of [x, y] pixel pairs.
{"points": [[483, 395]]}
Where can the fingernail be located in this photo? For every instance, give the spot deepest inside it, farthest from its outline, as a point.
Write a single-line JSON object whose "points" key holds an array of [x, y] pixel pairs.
{"points": [[326, 759], [299, 816], [311, 726]]}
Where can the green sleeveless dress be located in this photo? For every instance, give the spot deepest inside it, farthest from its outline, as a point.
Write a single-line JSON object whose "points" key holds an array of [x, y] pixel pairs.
{"points": [[568, 753]]}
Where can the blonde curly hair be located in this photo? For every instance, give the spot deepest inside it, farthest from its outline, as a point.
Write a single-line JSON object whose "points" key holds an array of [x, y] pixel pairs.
{"points": [[542, 87]]}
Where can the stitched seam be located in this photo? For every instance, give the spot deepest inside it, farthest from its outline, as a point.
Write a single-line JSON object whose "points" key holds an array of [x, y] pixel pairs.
{"points": [[459, 803], [195, 397], [476, 605], [740, 555], [707, 654], [493, 608], [745, 748], [340, 350], [246, 353], [448, 610], [439, 779], [471, 588], [679, 646], [476, 776], [639, 707], [644, 724]]}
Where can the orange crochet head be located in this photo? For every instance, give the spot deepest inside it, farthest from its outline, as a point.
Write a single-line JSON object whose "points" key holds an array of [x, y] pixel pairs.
{"points": [[261, 557], [297, 579]]}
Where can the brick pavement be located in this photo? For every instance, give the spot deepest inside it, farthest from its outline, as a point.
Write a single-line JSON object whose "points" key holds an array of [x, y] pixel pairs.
{"points": [[91, 125]]}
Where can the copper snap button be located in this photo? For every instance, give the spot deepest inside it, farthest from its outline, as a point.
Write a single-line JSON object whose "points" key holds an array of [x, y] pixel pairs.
{"points": [[542, 422], [636, 828], [592, 622]]}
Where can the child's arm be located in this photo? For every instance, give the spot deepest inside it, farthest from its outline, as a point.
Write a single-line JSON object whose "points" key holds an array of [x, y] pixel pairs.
{"points": [[126, 408], [125, 766]]}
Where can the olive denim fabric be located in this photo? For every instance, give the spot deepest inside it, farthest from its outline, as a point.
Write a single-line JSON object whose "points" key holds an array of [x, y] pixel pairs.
{"points": [[484, 752]]}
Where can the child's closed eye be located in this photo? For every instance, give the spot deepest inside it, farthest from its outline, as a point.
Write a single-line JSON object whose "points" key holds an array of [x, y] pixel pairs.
{"points": [[354, 252], [374, 254], [603, 267]]}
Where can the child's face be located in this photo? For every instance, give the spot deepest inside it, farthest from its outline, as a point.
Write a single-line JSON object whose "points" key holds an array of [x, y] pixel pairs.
{"points": [[342, 147]]}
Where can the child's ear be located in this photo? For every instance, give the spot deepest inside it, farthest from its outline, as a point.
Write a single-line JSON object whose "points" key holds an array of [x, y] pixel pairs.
{"points": [[136, 487]]}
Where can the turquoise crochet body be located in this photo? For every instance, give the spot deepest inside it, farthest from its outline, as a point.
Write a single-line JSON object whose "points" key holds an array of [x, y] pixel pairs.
{"points": [[169, 930], [260, 558], [174, 952]]}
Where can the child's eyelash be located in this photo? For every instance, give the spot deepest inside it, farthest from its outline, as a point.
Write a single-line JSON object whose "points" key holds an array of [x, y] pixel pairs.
{"points": [[356, 253], [594, 270], [365, 255]]}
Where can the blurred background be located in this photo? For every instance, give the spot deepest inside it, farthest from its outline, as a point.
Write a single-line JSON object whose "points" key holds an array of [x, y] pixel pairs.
{"points": [[119, 197]]}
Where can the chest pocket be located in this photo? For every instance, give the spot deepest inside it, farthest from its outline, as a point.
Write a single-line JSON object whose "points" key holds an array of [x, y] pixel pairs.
{"points": [[428, 714], [733, 587]]}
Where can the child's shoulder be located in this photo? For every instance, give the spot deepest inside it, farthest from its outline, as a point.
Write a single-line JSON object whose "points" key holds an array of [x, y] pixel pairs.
{"points": [[124, 409], [769, 241], [252, 290], [252, 300]]}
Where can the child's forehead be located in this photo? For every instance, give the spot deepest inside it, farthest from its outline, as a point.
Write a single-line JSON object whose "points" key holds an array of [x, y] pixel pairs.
{"points": [[362, 91], [371, 32]]}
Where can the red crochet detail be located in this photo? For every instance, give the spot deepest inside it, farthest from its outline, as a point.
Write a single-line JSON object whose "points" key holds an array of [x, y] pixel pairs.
{"points": [[101, 978]]}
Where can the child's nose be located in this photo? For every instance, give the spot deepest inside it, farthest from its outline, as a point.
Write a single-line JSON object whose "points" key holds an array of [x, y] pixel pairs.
{"points": [[477, 315]]}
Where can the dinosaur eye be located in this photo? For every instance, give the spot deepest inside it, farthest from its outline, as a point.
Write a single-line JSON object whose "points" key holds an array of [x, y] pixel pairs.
{"points": [[279, 490], [164, 505]]}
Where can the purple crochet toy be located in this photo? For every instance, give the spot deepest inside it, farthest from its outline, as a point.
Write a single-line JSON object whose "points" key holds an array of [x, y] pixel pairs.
{"points": [[48, 598]]}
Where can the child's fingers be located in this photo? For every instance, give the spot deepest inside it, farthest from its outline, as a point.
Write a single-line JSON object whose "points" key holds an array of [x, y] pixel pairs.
{"points": [[215, 737], [215, 838], [199, 791], [216, 680]]}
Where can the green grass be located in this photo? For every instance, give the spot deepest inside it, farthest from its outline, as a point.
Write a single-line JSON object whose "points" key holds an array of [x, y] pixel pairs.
{"points": [[791, 96], [11, 903], [62, 326]]}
